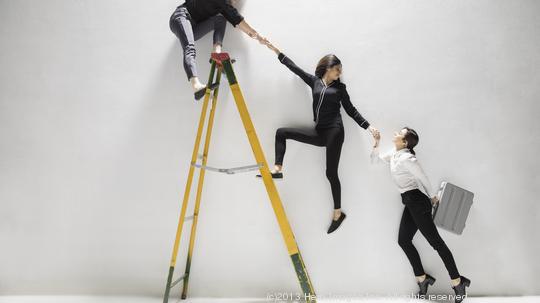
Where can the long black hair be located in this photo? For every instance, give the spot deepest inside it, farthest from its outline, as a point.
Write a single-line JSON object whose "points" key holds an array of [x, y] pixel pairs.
{"points": [[411, 136], [325, 63]]}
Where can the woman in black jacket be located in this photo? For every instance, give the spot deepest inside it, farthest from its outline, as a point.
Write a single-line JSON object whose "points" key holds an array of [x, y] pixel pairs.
{"points": [[329, 94]]}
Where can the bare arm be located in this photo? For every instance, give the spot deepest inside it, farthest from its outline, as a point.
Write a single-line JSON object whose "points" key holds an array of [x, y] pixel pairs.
{"points": [[251, 32], [377, 157]]}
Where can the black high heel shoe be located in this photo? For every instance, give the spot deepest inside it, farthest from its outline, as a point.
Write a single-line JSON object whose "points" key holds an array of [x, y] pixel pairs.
{"points": [[336, 223], [429, 280], [461, 292]]}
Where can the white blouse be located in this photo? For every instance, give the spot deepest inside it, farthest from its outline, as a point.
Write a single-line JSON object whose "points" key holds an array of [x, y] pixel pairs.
{"points": [[405, 170]]}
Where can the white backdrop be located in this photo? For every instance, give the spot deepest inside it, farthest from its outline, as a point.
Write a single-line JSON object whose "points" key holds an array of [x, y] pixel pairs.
{"points": [[97, 123]]}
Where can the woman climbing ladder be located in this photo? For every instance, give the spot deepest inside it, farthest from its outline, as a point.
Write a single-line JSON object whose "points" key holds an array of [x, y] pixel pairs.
{"points": [[328, 96], [194, 19]]}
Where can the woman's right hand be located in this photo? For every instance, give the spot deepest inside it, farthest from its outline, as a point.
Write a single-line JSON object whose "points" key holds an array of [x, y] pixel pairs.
{"points": [[376, 135]]}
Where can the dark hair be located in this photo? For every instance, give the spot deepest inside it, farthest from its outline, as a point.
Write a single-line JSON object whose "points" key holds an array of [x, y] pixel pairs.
{"points": [[412, 139], [325, 63]]}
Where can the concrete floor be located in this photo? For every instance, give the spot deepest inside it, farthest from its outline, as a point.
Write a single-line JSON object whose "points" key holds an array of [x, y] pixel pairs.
{"points": [[96, 299]]}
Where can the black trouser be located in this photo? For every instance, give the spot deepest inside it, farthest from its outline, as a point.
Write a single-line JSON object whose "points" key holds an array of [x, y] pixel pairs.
{"points": [[417, 215], [188, 31], [331, 138]]}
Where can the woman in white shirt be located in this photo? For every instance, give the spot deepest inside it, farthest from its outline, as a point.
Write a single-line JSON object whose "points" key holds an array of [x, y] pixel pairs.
{"points": [[418, 196]]}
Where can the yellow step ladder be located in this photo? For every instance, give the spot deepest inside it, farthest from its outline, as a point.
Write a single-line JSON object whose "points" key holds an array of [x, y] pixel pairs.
{"points": [[219, 63]]}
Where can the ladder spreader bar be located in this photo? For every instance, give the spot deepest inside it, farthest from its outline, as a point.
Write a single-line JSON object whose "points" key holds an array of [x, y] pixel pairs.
{"points": [[178, 280], [229, 171]]}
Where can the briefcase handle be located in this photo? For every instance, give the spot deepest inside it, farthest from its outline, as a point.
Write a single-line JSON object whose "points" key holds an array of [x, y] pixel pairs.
{"points": [[439, 196]]}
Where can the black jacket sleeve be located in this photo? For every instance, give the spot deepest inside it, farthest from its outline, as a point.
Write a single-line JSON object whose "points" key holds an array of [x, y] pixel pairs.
{"points": [[231, 14], [350, 109], [308, 78]]}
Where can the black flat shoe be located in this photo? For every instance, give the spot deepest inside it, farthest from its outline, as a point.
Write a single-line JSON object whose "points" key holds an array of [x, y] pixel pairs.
{"points": [[336, 223], [201, 92], [461, 292], [429, 280], [276, 175]]}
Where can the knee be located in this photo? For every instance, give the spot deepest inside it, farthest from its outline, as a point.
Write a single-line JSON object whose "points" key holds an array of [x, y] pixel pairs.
{"points": [[404, 242], [332, 175], [176, 19], [281, 133], [220, 21], [438, 244]]}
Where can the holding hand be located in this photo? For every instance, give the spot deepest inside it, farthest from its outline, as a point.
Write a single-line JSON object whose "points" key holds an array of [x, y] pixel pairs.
{"points": [[272, 47], [263, 40], [376, 135], [253, 35]]}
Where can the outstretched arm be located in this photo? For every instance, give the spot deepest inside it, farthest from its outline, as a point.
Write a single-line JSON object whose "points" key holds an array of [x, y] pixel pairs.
{"points": [[353, 113], [231, 14], [351, 110], [377, 157], [308, 78], [250, 31]]}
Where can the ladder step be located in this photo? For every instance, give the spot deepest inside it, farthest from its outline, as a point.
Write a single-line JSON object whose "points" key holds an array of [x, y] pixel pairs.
{"points": [[213, 86], [188, 218], [229, 171], [233, 61], [178, 280]]}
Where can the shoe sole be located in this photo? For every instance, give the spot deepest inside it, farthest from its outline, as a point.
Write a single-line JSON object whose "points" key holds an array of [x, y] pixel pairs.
{"points": [[275, 179], [340, 224]]}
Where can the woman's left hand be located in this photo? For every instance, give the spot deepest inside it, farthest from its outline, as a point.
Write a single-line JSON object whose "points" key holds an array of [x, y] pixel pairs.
{"points": [[434, 200], [262, 40], [272, 47]]}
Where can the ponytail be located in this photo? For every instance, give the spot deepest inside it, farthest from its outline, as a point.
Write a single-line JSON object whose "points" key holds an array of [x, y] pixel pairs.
{"points": [[412, 139]]}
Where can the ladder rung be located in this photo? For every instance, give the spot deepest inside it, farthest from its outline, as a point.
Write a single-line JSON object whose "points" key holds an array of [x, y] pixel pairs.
{"points": [[188, 218], [229, 171], [232, 60], [178, 280]]}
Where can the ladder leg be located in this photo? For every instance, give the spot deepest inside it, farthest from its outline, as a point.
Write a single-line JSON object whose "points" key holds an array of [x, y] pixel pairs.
{"points": [[188, 186], [286, 231], [200, 187]]}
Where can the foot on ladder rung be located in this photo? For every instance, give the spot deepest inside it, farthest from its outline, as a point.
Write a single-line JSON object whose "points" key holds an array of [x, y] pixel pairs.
{"points": [[178, 280], [229, 171]]}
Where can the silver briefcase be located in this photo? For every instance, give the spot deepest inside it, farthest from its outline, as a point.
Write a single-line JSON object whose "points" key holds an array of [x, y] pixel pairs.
{"points": [[453, 208]]}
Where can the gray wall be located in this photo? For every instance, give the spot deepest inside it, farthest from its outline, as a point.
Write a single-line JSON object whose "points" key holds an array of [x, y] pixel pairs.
{"points": [[97, 124]]}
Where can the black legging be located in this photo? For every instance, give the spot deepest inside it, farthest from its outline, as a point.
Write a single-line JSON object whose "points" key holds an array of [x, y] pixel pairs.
{"points": [[331, 138], [417, 215]]}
